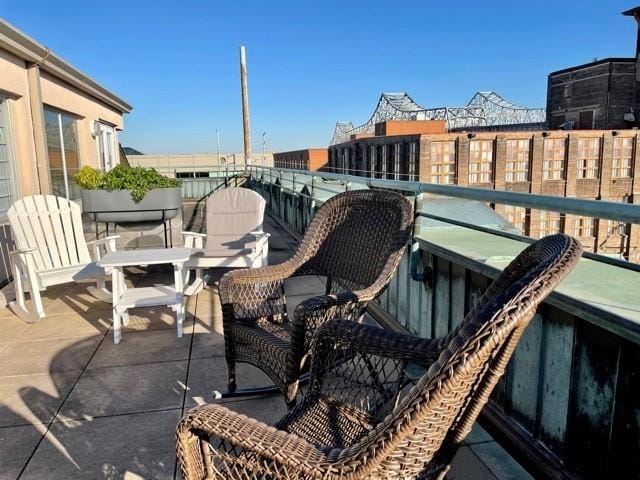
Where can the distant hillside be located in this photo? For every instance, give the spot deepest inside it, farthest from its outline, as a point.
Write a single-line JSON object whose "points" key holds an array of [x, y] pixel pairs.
{"points": [[131, 151]]}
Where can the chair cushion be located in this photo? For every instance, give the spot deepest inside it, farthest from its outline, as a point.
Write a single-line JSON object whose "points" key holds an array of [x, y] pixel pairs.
{"points": [[233, 212], [326, 423]]}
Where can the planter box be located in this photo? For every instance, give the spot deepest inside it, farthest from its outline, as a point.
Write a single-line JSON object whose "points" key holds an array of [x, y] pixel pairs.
{"points": [[117, 206]]}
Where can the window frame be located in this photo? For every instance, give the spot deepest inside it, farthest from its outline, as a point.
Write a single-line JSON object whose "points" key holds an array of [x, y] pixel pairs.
{"points": [[477, 174], [554, 169], [586, 161], [513, 167], [616, 168], [438, 172]]}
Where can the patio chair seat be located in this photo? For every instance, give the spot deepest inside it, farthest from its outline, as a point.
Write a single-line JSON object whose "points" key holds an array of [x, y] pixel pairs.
{"points": [[263, 344], [342, 425], [227, 250], [74, 273]]}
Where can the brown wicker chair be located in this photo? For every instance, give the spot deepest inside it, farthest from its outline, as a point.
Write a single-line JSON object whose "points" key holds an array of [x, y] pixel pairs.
{"points": [[356, 420], [356, 241]]}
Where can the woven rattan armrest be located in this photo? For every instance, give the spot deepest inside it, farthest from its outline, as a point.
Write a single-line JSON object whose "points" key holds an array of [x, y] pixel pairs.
{"points": [[367, 339], [235, 279], [210, 421]]}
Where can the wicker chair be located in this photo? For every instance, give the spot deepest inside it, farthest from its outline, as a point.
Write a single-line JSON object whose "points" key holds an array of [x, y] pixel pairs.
{"points": [[356, 420], [356, 241]]}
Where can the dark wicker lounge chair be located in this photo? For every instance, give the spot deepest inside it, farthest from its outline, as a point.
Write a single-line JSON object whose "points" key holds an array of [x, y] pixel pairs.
{"points": [[356, 420], [356, 241]]}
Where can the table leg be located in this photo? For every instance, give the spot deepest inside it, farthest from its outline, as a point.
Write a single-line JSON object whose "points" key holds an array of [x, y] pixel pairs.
{"points": [[180, 308], [117, 281], [117, 327]]}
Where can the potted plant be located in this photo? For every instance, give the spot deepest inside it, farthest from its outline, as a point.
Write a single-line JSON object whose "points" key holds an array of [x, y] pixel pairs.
{"points": [[128, 194]]}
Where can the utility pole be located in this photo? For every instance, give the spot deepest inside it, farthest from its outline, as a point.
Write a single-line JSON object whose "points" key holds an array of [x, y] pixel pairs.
{"points": [[245, 107], [218, 143], [264, 148]]}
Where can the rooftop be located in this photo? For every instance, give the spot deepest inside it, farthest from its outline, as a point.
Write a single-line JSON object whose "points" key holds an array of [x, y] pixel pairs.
{"points": [[74, 404]]}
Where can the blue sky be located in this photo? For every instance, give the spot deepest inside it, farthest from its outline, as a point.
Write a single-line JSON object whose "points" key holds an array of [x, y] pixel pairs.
{"points": [[312, 63]]}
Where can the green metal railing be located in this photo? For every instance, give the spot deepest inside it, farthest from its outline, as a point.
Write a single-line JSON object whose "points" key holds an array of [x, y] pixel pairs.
{"points": [[569, 403]]}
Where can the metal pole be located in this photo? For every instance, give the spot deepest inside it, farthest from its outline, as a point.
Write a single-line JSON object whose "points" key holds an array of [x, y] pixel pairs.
{"points": [[63, 158], [264, 148], [218, 143], [245, 107]]}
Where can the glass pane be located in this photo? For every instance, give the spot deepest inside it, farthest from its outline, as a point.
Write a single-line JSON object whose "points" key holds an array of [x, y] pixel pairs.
{"points": [[71, 157]]}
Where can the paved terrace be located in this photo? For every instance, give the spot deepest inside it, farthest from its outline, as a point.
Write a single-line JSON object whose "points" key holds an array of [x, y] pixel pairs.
{"points": [[74, 405]]}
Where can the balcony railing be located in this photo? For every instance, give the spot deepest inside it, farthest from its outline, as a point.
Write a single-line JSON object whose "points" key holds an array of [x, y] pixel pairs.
{"points": [[569, 403]]}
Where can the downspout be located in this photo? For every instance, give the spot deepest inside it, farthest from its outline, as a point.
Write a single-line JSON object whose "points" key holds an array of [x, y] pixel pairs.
{"points": [[38, 125]]}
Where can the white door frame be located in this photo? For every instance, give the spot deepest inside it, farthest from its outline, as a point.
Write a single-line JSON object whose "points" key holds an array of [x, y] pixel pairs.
{"points": [[106, 141]]}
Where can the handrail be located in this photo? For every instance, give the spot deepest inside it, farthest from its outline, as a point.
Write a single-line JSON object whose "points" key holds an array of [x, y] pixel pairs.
{"points": [[623, 212]]}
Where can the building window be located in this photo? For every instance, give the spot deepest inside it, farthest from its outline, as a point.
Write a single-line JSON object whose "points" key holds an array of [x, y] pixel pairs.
{"points": [[616, 228], [622, 157], [62, 150], [365, 166], [553, 159], [383, 161], [480, 161], [550, 223], [372, 160], [516, 216], [397, 155], [584, 227], [517, 164], [588, 157], [412, 161], [443, 162]]}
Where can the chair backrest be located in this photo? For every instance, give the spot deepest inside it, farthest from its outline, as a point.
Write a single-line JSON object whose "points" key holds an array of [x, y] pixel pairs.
{"points": [[355, 236], [422, 433], [232, 213], [52, 227]]}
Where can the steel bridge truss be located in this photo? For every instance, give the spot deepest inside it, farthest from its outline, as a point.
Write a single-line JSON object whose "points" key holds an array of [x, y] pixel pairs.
{"points": [[483, 110]]}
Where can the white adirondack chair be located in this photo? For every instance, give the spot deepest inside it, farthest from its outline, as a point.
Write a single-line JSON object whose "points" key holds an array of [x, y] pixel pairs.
{"points": [[234, 238], [51, 250]]}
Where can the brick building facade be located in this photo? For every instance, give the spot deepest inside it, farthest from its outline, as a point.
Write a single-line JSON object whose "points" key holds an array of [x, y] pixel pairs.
{"points": [[590, 164], [599, 95], [309, 159]]}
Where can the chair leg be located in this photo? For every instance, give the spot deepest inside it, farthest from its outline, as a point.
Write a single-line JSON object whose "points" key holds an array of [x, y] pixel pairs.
{"points": [[100, 291], [231, 376], [37, 300], [19, 307], [291, 394], [233, 392], [197, 285]]}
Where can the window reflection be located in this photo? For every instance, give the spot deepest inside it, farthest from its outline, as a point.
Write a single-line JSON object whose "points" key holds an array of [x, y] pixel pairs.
{"points": [[60, 163]]}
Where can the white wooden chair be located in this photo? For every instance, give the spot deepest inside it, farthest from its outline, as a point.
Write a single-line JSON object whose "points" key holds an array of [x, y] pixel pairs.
{"points": [[234, 238], [51, 250]]}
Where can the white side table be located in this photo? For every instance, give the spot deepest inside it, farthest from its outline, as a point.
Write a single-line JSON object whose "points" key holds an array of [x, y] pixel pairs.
{"points": [[125, 298]]}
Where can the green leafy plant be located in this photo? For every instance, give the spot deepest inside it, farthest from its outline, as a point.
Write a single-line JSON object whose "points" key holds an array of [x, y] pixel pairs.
{"points": [[122, 177], [88, 178]]}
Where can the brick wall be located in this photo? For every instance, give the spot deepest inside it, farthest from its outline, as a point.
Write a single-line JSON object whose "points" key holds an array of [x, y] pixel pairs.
{"points": [[309, 159], [603, 187], [606, 88]]}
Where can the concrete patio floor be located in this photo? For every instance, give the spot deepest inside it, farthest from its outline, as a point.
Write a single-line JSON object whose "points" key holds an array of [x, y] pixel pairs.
{"points": [[74, 405]]}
